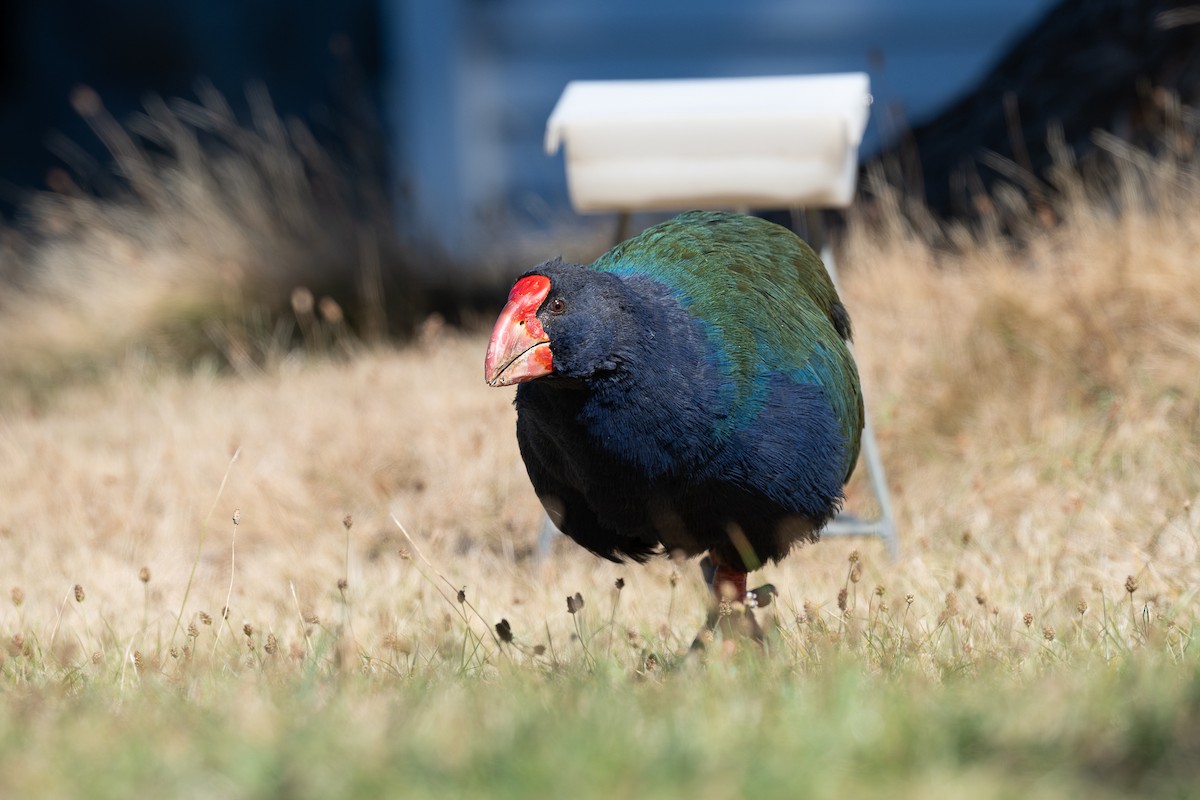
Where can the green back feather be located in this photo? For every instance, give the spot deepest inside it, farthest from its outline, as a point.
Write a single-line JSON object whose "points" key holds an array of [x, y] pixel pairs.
{"points": [[764, 297]]}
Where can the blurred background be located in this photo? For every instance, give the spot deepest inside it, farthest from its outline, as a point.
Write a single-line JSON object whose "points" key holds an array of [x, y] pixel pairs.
{"points": [[387, 154], [459, 91]]}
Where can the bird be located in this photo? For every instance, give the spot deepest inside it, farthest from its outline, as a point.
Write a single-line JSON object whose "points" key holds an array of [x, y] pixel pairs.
{"points": [[690, 392]]}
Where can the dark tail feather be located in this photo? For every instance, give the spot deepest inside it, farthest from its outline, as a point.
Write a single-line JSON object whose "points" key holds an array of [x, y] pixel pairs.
{"points": [[841, 321]]}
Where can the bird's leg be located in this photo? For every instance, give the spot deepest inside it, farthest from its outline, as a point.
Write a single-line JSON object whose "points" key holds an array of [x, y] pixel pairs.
{"points": [[728, 584], [730, 605]]}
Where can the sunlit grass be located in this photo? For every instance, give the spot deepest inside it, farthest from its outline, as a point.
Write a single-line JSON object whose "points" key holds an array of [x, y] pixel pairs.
{"points": [[319, 576]]}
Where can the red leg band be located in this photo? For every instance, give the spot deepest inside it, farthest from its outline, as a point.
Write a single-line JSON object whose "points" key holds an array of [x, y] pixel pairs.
{"points": [[729, 584]]}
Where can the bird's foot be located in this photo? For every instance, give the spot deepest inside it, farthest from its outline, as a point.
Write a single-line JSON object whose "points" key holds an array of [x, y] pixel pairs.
{"points": [[762, 596], [734, 621]]}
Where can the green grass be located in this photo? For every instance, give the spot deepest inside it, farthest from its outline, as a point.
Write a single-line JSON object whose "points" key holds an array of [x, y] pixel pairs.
{"points": [[745, 727]]}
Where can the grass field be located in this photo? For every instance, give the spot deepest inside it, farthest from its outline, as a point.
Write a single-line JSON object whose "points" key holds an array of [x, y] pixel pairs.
{"points": [[247, 583]]}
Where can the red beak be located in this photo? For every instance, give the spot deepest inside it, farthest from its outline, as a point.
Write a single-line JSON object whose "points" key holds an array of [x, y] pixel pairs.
{"points": [[520, 350]]}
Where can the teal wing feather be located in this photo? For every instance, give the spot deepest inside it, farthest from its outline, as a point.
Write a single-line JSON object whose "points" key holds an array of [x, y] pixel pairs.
{"points": [[765, 300]]}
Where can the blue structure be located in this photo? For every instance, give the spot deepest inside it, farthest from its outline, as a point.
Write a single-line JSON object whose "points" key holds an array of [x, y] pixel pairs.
{"points": [[472, 81]]}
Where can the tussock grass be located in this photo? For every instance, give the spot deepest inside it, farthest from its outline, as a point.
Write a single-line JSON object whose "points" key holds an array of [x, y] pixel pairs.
{"points": [[193, 242], [341, 594]]}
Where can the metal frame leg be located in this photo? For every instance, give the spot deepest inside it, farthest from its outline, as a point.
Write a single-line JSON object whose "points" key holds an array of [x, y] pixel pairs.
{"points": [[846, 524]]}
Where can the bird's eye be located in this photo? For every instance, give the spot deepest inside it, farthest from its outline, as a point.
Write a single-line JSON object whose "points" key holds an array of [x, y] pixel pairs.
{"points": [[557, 306]]}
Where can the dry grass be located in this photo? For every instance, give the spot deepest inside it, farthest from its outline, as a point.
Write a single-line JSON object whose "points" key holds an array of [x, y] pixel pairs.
{"points": [[1037, 410]]}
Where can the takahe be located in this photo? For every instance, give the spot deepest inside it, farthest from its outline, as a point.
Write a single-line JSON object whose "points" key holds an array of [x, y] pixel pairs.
{"points": [[691, 391]]}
